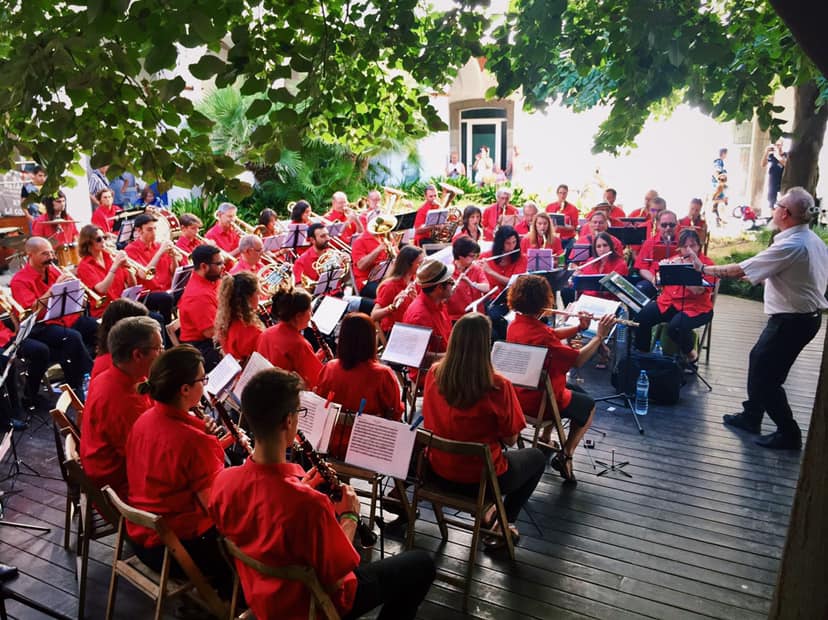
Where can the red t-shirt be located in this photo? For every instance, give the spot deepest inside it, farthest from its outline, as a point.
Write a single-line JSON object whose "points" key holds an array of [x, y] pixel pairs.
{"points": [[348, 231], [103, 361], [187, 244], [571, 215], [490, 216], [646, 255], [91, 272], [112, 407], [68, 233], [507, 269], [495, 416], [243, 265], [464, 293], [420, 219], [370, 380], [364, 245], [227, 240], [586, 239], [529, 330], [241, 339], [304, 266], [143, 253], [286, 348], [522, 228], [425, 313], [554, 245], [104, 218], [298, 529], [170, 459], [386, 292], [686, 222], [197, 307], [27, 286], [683, 300]]}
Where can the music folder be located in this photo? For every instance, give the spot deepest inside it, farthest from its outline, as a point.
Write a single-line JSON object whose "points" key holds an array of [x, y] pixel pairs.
{"points": [[625, 291], [407, 345], [558, 219], [405, 221], [629, 235], [521, 364]]}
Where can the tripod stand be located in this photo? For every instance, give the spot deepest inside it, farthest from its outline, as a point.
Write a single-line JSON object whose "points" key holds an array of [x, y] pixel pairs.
{"points": [[623, 398]]}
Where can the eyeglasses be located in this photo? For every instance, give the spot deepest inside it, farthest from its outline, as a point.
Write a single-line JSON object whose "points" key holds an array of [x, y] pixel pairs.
{"points": [[99, 239], [158, 348], [780, 206], [667, 225], [203, 380], [221, 264], [301, 412]]}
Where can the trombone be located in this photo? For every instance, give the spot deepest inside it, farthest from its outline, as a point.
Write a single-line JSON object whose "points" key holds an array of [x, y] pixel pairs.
{"points": [[336, 242], [96, 299], [225, 256]]}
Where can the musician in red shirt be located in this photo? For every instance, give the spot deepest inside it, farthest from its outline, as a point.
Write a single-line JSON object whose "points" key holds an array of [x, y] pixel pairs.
{"points": [[530, 210], [470, 282], [495, 214], [283, 345], [341, 213], [250, 255], [694, 220], [119, 309], [64, 233], [423, 233], [113, 403], [510, 260], [104, 215], [223, 233], [368, 251], [529, 297], [655, 249], [464, 399], [612, 261], [683, 308], [172, 461], [70, 338], [570, 213], [396, 292], [199, 302], [320, 241], [597, 223], [238, 326], [471, 224], [645, 210], [541, 236], [158, 260], [108, 276], [429, 308], [312, 530], [615, 212], [188, 239]]}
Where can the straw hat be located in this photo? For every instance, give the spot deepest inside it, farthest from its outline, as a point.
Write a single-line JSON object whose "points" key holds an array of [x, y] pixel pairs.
{"points": [[433, 272]]}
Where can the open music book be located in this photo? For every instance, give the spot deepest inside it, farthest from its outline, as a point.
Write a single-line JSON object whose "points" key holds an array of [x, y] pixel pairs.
{"points": [[407, 345], [596, 306], [180, 278], [132, 292], [521, 364], [381, 445], [256, 363], [435, 217], [221, 377], [319, 421]]}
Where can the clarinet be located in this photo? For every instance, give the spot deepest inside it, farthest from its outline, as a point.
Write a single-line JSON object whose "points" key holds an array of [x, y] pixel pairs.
{"points": [[333, 489], [232, 427], [321, 340]]}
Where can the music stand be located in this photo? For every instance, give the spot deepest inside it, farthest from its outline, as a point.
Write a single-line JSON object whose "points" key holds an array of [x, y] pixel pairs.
{"points": [[379, 270], [629, 235], [5, 445], [540, 259], [588, 282], [297, 236], [328, 281], [579, 253], [405, 221]]}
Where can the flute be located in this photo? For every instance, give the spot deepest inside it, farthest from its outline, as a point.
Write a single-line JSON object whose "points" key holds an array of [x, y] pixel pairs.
{"points": [[587, 315], [592, 261], [399, 301], [488, 258]]}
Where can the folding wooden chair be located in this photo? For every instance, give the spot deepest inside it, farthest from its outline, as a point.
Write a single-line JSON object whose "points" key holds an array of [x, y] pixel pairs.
{"points": [[488, 494], [158, 587], [60, 416], [304, 574], [64, 427], [77, 404], [548, 415]]}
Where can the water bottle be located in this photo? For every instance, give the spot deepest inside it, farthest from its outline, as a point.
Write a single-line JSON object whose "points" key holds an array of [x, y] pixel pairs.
{"points": [[620, 328], [642, 392], [86, 379], [657, 348]]}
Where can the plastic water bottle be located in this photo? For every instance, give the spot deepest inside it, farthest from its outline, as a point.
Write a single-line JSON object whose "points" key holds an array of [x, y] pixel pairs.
{"points": [[621, 329], [86, 379], [657, 348], [642, 393]]}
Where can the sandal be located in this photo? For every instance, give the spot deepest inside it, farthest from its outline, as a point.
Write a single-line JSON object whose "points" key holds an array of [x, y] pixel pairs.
{"points": [[498, 542], [490, 518], [563, 465]]}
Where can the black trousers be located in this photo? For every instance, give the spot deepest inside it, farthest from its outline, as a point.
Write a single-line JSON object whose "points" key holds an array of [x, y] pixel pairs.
{"points": [[212, 356], [70, 347], [162, 303], [771, 359], [399, 583], [680, 326]]}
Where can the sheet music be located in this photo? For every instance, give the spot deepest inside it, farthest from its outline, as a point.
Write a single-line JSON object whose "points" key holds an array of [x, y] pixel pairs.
{"points": [[580, 253], [381, 445], [126, 231], [540, 259], [335, 228], [132, 292], [319, 421], [435, 217], [274, 243], [328, 313], [407, 345], [222, 375], [520, 363], [297, 235], [255, 364], [328, 281], [180, 278], [66, 298], [596, 306], [379, 270]]}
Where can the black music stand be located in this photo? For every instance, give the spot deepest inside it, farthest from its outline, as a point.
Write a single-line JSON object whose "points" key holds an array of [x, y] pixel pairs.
{"points": [[405, 221], [558, 219], [540, 259], [328, 281], [379, 270], [297, 236], [629, 235], [579, 253]]}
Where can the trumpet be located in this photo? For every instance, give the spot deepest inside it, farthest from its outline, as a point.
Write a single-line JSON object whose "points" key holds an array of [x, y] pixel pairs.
{"points": [[587, 315], [132, 265], [225, 256], [243, 228], [96, 299]]}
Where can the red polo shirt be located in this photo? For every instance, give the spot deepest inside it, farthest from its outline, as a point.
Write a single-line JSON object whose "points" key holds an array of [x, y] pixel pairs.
{"points": [[364, 245], [187, 244], [241, 339], [299, 529], [287, 349], [529, 330], [507, 270], [495, 416], [103, 361], [555, 245], [197, 307], [243, 265], [27, 286], [304, 265], [68, 233], [112, 407], [586, 239], [646, 255], [386, 292], [420, 219], [170, 459], [143, 253], [227, 240], [91, 272], [104, 218], [522, 228], [464, 293], [348, 231], [686, 222], [490, 216], [683, 300], [425, 313], [571, 215]]}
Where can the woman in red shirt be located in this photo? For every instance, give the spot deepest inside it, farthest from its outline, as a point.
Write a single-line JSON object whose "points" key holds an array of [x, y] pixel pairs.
{"points": [[238, 326], [529, 297], [510, 261], [464, 399], [283, 345], [115, 311], [602, 245], [683, 308], [355, 375], [58, 234], [396, 292], [106, 275], [542, 236], [471, 227]]}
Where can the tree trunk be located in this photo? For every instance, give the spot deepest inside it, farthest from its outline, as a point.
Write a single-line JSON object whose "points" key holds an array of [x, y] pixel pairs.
{"points": [[808, 133]]}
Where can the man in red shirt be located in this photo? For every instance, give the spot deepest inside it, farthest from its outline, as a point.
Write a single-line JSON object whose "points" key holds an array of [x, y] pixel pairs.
{"points": [[242, 507], [494, 214], [615, 211], [597, 224], [373, 208], [655, 249], [530, 210], [429, 308], [104, 215], [423, 233], [250, 255], [340, 213], [470, 280], [157, 257], [368, 251], [645, 210], [188, 240], [113, 404], [319, 242], [70, 338], [198, 305], [570, 213], [223, 233]]}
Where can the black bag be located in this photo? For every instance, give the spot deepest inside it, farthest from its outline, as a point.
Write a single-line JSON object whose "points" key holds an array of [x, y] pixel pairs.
{"points": [[665, 375]]}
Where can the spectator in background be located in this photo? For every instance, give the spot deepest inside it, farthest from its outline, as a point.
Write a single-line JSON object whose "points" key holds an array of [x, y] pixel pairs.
{"points": [[775, 161], [97, 181], [455, 167], [33, 186], [124, 190], [147, 198]]}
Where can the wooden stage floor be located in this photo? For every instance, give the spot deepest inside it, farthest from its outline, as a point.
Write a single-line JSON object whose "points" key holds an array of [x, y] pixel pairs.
{"points": [[697, 532]]}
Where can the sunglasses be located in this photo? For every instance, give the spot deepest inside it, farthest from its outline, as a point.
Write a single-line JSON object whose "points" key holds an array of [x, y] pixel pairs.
{"points": [[99, 239], [668, 225]]}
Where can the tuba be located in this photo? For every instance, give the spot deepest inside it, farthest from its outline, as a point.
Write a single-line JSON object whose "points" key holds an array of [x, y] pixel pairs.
{"points": [[391, 196]]}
